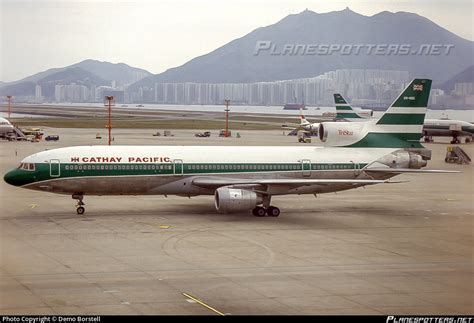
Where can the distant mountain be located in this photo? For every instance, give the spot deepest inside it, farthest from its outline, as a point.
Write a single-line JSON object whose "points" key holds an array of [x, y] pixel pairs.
{"points": [[50, 80], [88, 72], [122, 73], [236, 62], [466, 76]]}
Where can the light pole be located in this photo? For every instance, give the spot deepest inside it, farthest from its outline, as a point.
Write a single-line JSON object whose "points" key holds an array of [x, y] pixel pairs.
{"points": [[9, 97], [109, 103], [227, 118]]}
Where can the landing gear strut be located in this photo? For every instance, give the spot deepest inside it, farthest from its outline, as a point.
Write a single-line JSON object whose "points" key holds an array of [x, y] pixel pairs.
{"points": [[266, 209], [455, 140], [79, 206]]}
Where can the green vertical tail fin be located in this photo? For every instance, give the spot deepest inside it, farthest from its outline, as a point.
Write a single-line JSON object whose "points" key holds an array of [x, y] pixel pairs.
{"points": [[401, 126]]}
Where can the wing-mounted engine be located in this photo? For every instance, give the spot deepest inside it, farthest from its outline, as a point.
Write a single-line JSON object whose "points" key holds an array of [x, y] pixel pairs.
{"points": [[341, 133], [228, 199]]}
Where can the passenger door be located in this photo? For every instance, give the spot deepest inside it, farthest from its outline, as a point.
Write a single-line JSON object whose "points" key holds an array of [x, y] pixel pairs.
{"points": [[306, 167], [54, 168], [178, 167]]}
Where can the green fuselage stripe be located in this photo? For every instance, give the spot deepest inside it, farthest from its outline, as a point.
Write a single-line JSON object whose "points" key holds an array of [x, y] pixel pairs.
{"points": [[469, 129], [43, 171]]}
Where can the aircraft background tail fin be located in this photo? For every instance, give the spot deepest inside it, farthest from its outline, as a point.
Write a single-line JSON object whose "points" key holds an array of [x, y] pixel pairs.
{"points": [[343, 110], [303, 120]]}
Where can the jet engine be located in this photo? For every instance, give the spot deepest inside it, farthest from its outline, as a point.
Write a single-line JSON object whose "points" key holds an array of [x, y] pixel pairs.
{"points": [[228, 199], [341, 133], [403, 159]]}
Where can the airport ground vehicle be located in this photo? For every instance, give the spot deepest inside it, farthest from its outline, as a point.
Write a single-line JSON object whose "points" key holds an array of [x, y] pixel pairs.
{"points": [[52, 138], [203, 134], [222, 133], [455, 154]]}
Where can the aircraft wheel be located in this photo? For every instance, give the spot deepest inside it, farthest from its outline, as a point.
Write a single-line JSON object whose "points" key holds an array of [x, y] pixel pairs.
{"points": [[273, 211], [468, 140], [80, 210], [259, 211]]}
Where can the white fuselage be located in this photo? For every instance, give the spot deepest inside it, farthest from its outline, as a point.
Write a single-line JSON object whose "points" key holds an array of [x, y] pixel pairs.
{"points": [[133, 170]]}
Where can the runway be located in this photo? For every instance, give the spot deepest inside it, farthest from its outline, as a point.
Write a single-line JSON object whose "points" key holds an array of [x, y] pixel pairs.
{"points": [[402, 248]]}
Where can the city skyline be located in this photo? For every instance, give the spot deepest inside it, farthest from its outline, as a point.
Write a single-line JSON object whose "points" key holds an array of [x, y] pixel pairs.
{"points": [[161, 36], [374, 88]]}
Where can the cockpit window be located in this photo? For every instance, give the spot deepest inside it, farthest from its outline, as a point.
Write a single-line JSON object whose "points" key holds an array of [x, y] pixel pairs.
{"points": [[27, 166]]}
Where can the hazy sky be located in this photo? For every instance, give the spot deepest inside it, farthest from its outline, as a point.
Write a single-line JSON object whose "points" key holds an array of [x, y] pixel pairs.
{"points": [[157, 35]]}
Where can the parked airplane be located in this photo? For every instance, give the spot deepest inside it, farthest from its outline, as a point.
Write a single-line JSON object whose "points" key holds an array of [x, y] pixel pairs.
{"points": [[448, 128], [240, 178], [5, 127], [431, 127], [305, 125]]}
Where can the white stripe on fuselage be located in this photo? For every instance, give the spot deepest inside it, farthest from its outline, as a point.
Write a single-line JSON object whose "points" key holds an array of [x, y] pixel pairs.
{"points": [[211, 154]]}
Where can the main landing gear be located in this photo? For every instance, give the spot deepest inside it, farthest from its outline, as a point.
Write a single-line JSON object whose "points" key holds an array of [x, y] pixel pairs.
{"points": [[79, 206], [266, 209], [455, 140], [270, 211]]}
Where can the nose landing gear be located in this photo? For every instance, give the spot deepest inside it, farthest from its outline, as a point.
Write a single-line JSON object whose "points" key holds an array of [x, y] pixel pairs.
{"points": [[79, 206]]}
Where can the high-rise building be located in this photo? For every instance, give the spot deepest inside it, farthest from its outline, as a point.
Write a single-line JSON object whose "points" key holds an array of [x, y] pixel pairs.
{"points": [[38, 93]]}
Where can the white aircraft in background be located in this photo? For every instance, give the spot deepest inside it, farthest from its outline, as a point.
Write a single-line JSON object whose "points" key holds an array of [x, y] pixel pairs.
{"points": [[5, 127], [431, 127], [448, 128], [242, 178], [305, 126]]}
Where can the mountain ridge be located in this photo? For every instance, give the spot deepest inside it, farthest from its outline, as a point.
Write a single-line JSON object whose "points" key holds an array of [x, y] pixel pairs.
{"points": [[233, 62]]}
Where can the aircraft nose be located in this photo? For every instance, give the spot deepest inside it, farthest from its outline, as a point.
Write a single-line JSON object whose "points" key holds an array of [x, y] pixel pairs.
{"points": [[11, 178]]}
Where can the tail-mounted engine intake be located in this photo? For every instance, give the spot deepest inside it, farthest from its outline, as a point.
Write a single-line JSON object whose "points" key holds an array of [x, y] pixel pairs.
{"points": [[228, 199], [341, 133]]}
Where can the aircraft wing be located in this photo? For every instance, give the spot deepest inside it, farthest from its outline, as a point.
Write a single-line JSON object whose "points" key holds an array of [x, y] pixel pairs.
{"points": [[215, 182], [290, 126], [409, 170]]}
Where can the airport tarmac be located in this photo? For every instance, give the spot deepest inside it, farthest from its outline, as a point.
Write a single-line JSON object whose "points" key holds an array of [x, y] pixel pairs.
{"points": [[402, 248]]}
